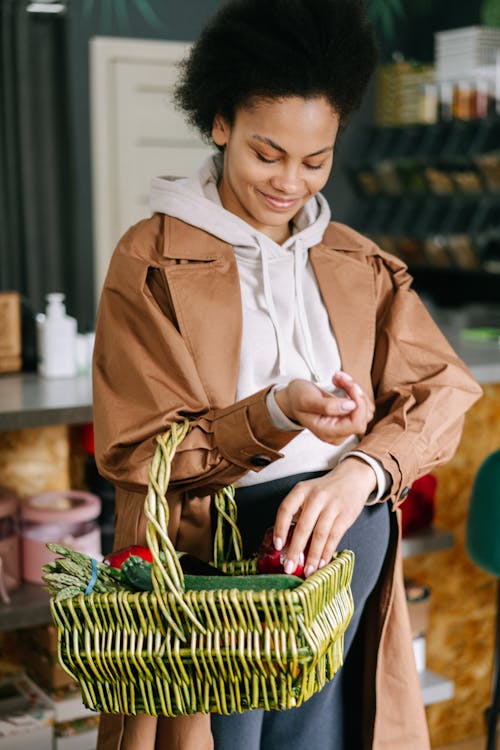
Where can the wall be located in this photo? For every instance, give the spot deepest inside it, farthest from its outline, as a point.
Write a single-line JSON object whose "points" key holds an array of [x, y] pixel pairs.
{"points": [[183, 21], [177, 21]]}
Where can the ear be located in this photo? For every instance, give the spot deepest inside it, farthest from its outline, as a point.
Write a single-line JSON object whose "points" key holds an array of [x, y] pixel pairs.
{"points": [[220, 131]]}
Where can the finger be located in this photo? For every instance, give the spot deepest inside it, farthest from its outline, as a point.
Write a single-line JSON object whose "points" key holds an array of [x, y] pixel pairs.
{"points": [[287, 512], [317, 499], [359, 422], [360, 419], [325, 405], [332, 430], [368, 403], [331, 548], [320, 555], [352, 389], [343, 380], [316, 554], [308, 398]]}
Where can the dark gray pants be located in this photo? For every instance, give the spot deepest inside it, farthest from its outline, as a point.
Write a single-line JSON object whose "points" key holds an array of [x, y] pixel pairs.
{"points": [[321, 721]]}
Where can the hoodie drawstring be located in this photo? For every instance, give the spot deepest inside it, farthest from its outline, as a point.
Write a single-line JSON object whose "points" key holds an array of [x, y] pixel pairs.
{"points": [[300, 310], [268, 296], [298, 254]]}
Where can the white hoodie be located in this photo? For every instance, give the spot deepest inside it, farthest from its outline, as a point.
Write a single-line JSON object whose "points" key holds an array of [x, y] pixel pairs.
{"points": [[286, 331]]}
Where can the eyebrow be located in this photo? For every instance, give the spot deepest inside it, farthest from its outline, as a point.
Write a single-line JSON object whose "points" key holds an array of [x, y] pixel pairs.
{"points": [[274, 145]]}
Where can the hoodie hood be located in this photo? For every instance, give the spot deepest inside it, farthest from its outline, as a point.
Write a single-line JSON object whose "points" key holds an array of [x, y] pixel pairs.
{"points": [[274, 275], [195, 200]]}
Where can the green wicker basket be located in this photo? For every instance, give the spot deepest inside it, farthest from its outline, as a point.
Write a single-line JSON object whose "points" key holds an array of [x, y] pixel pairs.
{"points": [[171, 652]]}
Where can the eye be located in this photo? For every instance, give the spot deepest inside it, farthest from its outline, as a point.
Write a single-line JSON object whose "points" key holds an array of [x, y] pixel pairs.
{"points": [[315, 166], [263, 158]]}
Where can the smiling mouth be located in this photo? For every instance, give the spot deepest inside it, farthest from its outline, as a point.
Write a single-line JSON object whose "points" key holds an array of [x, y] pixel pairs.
{"points": [[279, 203]]}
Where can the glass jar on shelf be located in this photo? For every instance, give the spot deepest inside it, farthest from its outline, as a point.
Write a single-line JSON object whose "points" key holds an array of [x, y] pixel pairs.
{"points": [[429, 104], [66, 517], [464, 101], [485, 98], [446, 91]]}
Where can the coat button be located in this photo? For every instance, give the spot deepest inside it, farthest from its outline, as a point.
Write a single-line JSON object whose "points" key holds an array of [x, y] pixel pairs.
{"points": [[404, 493], [260, 461]]}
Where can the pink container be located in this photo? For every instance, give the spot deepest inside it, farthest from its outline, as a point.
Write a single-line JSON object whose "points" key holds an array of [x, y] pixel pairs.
{"points": [[69, 518], [10, 566]]}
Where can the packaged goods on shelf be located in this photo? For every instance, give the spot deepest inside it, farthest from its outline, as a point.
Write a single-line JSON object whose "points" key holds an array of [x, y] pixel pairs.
{"points": [[418, 600], [66, 704], [30, 722], [79, 734], [10, 332], [458, 52], [39, 653], [75, 726], [399, 89]]}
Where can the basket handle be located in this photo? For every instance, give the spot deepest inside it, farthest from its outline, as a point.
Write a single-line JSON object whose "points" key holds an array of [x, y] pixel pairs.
{"points": [[232, 547], [167, 572]]}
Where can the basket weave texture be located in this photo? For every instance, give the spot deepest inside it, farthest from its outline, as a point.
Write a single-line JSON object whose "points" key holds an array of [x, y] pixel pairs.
{"points": [[171, 652]]}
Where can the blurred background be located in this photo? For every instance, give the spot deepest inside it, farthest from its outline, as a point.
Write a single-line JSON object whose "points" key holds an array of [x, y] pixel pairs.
{"points": [[86, 120]]}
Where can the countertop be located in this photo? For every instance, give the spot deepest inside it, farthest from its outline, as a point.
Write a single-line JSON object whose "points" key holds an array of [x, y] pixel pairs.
{"points": [[481, 357], [28, 400]]}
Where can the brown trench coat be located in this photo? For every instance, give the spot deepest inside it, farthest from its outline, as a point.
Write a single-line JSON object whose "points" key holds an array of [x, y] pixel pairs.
{"points": [[167, 347]]}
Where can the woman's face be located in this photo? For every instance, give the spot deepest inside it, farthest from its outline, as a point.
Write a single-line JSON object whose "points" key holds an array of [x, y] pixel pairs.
{"points": [[277, 154]]}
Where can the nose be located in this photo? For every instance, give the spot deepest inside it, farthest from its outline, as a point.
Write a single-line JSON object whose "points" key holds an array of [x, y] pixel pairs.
{"points": [[287, 179]]}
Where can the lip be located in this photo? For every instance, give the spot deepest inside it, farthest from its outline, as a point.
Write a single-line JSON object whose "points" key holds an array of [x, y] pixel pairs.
{"points": [[279, 204]]}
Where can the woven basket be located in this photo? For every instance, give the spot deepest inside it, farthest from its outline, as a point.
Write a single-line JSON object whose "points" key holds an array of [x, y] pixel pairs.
{"points": [[171, 652]]}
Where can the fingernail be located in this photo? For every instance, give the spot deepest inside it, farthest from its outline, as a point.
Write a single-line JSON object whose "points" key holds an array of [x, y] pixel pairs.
{"points": [[322, 563], [278, 543], [302, 559], [347, 405], [358, 389], [308, 571], [344, 375], [289, 567]]}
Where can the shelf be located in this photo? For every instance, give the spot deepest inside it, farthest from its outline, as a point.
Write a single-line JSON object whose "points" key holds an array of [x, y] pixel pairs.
{"points": [[28, 400], [29, 606], [454, 286], [428, 540], [435, 688]]}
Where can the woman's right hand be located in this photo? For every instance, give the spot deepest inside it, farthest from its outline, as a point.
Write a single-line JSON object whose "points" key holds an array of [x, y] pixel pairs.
{"points": [[331, 418]]}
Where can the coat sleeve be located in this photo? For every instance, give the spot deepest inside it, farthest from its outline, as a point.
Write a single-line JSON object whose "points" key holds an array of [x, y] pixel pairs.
{"points": [[422, 388], [144, 379]]}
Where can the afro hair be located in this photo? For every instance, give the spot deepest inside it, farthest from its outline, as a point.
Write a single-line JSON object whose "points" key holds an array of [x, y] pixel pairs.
{"points": [[275, 49]]}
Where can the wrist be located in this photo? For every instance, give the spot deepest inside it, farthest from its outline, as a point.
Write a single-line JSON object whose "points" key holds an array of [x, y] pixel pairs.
{"points": [[361, 473], [281, 397]]}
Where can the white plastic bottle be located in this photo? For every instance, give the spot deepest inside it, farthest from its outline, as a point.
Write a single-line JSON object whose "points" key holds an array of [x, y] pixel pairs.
{"points": [[57, 340]]}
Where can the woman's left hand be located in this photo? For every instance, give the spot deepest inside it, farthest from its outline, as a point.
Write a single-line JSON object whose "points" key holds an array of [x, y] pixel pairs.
{"points": [[325, 508]]}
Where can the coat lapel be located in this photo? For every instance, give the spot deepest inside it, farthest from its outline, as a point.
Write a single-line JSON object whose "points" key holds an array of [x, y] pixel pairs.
{"points": [[206, 295], [348, 291]]}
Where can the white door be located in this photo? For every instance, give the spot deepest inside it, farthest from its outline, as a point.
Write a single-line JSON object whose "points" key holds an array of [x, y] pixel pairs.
{"points": [[137, 134]]}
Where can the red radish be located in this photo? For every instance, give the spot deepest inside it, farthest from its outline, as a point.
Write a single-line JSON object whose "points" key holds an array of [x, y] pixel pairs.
{"points": [[271, 560], [116, 559]]}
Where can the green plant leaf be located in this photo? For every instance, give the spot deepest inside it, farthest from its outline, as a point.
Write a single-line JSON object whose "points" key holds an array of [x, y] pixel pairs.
{"points": [[490, 12], [106, 9], [148, 13], [384, 14]]}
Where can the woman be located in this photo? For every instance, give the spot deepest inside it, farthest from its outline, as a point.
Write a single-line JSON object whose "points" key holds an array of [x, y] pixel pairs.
{"points": [[315, 379]]}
